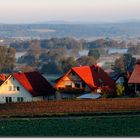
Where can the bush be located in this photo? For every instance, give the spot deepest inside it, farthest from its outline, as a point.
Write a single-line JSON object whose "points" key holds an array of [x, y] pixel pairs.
{"points": [[120, 90], [107, 96], [107, 92]]}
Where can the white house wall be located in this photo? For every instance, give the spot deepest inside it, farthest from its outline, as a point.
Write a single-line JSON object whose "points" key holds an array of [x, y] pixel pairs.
{"points": [[6, 92]]}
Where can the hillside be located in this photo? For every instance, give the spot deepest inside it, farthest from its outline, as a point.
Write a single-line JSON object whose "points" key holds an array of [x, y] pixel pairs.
{"points": [[86, 31]]}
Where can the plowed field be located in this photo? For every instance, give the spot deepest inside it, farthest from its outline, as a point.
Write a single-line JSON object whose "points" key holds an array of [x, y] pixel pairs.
{"points": [[70, 106]]}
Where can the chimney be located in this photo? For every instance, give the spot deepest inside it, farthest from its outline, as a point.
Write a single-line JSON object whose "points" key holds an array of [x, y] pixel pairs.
{"points": [[97, 68], [19, 72]]}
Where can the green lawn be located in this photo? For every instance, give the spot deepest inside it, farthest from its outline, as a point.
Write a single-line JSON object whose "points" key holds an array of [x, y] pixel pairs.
{"points": [[81, 126]]}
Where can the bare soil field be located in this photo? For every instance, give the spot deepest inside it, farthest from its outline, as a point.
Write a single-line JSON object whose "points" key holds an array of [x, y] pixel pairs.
{"points": [[44, 108]]}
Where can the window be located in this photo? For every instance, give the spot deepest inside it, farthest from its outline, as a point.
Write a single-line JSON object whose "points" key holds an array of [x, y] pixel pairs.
{"points": [[77, 85], [10, 88], [100, 80], [73, 73], [18, 88], [68, 86], [20, 99], [14, 88], [83, 85], [8, 99]]}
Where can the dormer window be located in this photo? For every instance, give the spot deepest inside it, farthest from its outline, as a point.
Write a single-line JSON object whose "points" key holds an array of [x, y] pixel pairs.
{"points": [[100, 80], [73, 73]]}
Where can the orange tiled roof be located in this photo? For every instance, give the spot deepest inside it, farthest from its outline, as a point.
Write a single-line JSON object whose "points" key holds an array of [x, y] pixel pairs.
{"points": [[93, 76]]}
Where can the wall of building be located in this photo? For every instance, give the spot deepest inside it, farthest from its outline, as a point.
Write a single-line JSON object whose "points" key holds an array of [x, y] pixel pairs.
{"points": [[9, 89], [65, 82], [39, 98], [87, 89], [70, 80]]}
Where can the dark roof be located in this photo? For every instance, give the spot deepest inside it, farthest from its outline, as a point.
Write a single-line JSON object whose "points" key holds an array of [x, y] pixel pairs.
{"points": [[135, 76], [35, 83]]}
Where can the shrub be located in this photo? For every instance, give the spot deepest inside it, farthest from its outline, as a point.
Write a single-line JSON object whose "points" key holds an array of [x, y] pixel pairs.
{"points": [[107, 92], [107, 96], [120, 90]]}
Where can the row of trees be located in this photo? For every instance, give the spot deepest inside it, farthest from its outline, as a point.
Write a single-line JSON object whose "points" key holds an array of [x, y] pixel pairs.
{"points": [[53, 43], [7, 59], [124, 64], [69, 43], [57, 60]]}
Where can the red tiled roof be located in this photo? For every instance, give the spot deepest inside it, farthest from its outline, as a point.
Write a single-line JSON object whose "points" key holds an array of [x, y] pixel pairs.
{"points": [[35, 83], [85, 73], [3, 78], [93, 76], [135, 76]]}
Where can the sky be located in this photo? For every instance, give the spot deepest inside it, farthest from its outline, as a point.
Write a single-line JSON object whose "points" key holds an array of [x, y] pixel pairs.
{"points": [[90, 11]]}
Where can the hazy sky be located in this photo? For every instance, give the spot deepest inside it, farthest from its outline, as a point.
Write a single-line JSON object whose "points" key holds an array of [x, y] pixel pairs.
{"points": [[23, 11]]}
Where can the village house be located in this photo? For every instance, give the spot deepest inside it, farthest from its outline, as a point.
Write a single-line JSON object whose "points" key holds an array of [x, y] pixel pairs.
{"points": [[25, 87], [134, 80], [83, 79]]}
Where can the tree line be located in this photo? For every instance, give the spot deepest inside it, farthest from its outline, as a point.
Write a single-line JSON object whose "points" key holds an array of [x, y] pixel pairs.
{"points": [[58, 55], [68, 43]]}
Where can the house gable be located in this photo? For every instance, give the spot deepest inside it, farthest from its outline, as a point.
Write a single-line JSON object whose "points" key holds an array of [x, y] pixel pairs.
{"points": [[12, 88], [68, 80], [72, 79], [35, 83], [135, 76], [85, 74], [93, 76]]}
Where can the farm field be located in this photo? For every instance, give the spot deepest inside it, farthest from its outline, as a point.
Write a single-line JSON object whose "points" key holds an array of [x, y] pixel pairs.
{"points": [[68, 107], [110, 126]]}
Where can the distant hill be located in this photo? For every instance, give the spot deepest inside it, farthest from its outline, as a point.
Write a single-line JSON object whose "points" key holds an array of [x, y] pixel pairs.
{"points": [[67, 29]]}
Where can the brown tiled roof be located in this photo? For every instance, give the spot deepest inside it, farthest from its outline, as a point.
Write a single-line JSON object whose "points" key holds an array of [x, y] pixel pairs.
{"points": [[135, 76]]}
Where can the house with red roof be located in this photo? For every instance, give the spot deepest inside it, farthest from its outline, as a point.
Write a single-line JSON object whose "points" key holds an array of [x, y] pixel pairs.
{"points": [[84, 79], [134, 80], [25, 87]]}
